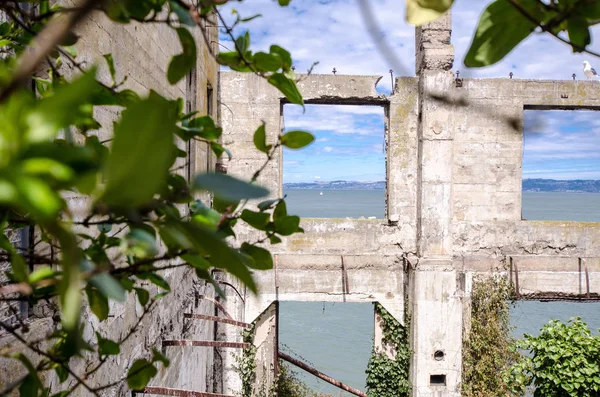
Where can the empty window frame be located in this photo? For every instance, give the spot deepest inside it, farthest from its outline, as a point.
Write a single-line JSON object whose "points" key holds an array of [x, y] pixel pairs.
{"points": [[342, 173], [561, 165]]}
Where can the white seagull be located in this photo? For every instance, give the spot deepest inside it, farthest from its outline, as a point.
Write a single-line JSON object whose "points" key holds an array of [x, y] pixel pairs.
{"points": [[589, 71]]}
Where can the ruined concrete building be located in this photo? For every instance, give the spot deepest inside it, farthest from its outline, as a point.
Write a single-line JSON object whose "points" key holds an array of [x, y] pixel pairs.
{"points": [[453, 210]]}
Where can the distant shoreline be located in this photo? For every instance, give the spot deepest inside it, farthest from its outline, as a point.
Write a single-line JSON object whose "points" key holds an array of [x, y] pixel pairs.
{"points": [[529, 185]]}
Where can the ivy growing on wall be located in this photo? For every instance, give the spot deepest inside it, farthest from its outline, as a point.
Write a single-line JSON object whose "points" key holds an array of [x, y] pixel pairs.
{"points": [[488, 348], [246, 363], [389, 377]]}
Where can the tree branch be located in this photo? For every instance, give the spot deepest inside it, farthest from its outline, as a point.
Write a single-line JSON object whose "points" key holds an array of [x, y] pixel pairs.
{"points": [[56, 30]]}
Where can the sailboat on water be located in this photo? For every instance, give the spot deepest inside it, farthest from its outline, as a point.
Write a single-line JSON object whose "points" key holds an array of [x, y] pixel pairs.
{"points": [[320, 194]]}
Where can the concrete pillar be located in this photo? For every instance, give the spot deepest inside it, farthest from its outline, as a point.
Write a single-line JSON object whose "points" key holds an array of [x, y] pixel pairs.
{"points": [[435, 295], [433, 48]]}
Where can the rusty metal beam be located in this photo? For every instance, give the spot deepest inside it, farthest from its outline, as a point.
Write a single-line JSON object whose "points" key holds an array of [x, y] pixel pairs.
{"points": [[321, 375], [217, 319], [167, 391], [516, 270], [205, 343]]}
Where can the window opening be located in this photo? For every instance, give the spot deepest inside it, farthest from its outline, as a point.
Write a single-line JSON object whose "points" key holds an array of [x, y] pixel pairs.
{"points": [[342, 173], [561, 165]]}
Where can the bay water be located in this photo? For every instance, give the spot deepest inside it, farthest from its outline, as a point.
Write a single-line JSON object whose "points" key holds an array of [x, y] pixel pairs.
{"points": [[337, 338]]}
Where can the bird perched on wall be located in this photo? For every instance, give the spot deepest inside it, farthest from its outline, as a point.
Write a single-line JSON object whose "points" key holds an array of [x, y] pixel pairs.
{"points": [[589, 71]]}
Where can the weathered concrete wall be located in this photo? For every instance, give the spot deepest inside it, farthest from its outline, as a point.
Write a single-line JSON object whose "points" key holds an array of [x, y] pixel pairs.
{"points": [[266, 333], [142, 53], [453, 202]]}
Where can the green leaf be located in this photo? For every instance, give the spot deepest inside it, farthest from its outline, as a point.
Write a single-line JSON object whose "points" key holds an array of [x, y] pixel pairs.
{"points": [[287, 225], [228, 188], [107, 347], [260, 139], [242, 43], [19, 267], [31, 383], [287, 87], [69, 286], [47, 167], [98, 303], [203, 127], [267, 204], [158, 356], [262, 258], [257, 220], [204, 215], [280, 210], [140, 243], [297, 139], [155, 279], [284, 55], [206, 242], [419, 12], [41, 273], [8, 192], [266, 62], [501, 28], [62, 109], [196, 261], [61, 373], [38, 197], [284, 2], [143, 296], [184, 15], [182, 63], [108, 286], [579, 33], [140, 373], [133, 175], [111, 66]]}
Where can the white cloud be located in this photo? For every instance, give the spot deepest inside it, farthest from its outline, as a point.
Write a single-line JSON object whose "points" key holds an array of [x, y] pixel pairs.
{"points": [[334, 34], [317, 177]]}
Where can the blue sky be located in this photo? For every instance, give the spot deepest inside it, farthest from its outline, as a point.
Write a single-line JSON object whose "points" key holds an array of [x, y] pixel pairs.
{"points": [[564, 145], [348, 145]]}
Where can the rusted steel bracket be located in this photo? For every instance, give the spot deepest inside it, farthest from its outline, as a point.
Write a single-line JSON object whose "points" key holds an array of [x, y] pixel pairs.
{"points": [[217, 304], [514, 266], [205, 343], [345, 284], [587, 275], [234, 289], [167, 391], [276, 277], [321, 375], [194, 316]]}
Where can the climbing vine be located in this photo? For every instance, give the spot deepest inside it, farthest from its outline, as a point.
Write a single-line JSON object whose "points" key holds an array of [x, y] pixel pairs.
{"points": [[488, 348], [389, 377], [246, 363]]}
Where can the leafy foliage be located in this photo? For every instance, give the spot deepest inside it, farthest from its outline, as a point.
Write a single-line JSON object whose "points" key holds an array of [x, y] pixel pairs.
{"points": [[506, 23], [290, 385], [564, 360], [144, 216], [487, 347], [386, 376]]}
